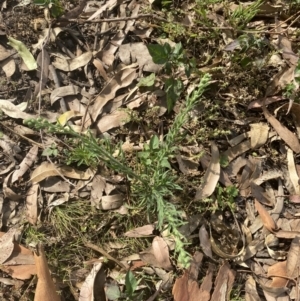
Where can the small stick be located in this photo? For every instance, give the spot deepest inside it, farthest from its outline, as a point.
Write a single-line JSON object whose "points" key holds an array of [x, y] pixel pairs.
{"points": [[103, 252]]}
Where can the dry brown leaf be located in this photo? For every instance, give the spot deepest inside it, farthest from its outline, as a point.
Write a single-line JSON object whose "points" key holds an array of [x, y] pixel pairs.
{"points": [[32, 204], [47, 169], [141, 231], [44, 171], [206, 285], [5, 53], [259, 103], [292, 171], [223, 283], [149, 255], [279, 202], [20, 264], [161, 253], [236, 151], [224, 178], [87, 289], [9, 67], [211, 176], [55, 184], [43, 61], [251, 292], [7, 245], [13, 111], [259, 134], [285, 45], [259, 193], [294, 198], [286, 135], [109, 202], [97, 189], [99, 65], [265, 217], [186, 287], [64, 91], [45, 288], [113, 120], [293, 259], [121, 80], [275, 271], [205, 241], [138, 52], [107, 6], [68, 65], [25, 164]]}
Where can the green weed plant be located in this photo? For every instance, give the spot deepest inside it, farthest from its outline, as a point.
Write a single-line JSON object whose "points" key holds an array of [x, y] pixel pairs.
{"points": [[153, 183]]}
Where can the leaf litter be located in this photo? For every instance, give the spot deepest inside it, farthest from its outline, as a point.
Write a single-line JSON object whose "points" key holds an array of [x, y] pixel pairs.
{"points": [[238, 160]]}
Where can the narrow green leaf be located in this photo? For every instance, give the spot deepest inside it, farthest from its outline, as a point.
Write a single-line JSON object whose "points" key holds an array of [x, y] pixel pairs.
{"points": [[158, 53], [24, 53]]}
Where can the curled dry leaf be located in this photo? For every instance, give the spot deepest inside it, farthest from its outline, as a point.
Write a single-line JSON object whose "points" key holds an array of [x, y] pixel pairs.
{"points": [[293, 259], [211, 176], [109, 202], [87, 289], [271, 239], [265, 217]]}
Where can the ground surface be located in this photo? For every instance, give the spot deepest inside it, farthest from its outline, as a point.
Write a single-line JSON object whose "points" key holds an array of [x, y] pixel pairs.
{"points": [[152, 149]]}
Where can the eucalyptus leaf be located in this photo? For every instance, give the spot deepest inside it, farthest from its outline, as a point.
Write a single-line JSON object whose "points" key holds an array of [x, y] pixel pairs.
{"points": [[24, 53]]}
